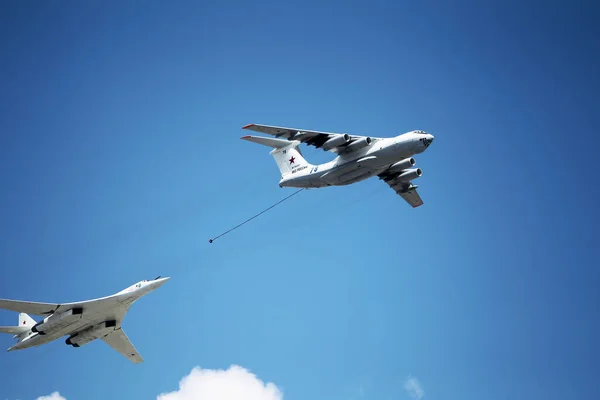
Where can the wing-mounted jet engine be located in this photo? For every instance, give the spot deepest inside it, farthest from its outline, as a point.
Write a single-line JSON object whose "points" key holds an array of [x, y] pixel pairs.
{"points": [[90, 334], [57, 319]]}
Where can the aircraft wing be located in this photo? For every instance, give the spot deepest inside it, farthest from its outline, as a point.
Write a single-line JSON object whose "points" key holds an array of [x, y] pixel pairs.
{"points": [[29, 307], [311, 138], [412, 197], [406, 190], [36, 308], [119, 341]]}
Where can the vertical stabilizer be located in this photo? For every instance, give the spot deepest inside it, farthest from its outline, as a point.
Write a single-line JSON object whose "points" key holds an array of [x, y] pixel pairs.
{"points": [[289, 159], [26, 321], [286, 153], [21, 330]]}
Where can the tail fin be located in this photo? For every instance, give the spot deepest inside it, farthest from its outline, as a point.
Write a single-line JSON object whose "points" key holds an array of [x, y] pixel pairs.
{"points": [[25, 324], [287, 155], [26, 321], [289, 160]]}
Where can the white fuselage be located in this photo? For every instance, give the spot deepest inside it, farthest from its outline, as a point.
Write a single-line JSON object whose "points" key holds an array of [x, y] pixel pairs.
{"points": [[360, 164], [89, 319]]}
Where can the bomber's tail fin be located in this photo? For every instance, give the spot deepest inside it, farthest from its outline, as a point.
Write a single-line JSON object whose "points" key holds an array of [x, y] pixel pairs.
{"points": [[286, 153], [25, 324], [26, 321]]}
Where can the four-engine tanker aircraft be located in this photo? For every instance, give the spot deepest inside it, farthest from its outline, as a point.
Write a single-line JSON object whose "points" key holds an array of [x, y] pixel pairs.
{"points": [[359, 158], [83, 321]]}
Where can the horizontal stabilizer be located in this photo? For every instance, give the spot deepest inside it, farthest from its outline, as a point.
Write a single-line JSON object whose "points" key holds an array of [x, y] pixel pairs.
{"points": [[267, 141], [25, 324], [14, 330]]}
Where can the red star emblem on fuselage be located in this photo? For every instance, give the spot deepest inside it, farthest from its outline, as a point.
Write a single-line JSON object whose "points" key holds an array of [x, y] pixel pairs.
{"points": [[292, 160]]}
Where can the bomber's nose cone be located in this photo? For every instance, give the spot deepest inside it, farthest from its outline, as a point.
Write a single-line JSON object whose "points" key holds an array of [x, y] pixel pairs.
{"points": [[161, 281]]}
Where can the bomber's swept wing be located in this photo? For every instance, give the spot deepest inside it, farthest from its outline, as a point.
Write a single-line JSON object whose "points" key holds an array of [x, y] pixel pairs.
{"points": [[311, 138], [29, 307], [406, 190], [119, 341], [36, 308]]}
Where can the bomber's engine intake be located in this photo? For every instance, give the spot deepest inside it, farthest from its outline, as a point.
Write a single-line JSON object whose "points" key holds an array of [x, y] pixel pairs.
{"points": [[57, 319], [91, 334], [336, 141]]}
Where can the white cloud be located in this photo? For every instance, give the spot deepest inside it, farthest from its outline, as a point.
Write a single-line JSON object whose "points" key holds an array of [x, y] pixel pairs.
{"points": [[235, 383], [53, 396], [413, 388]]}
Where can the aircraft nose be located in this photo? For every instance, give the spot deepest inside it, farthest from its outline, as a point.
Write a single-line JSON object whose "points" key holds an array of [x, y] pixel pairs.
{"points": [[426, 141], [159, 282]]}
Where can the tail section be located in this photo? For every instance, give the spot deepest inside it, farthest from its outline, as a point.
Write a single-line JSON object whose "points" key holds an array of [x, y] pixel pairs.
{"points": [[25, 324], [287, 155], [289, 160], [26, 321]]}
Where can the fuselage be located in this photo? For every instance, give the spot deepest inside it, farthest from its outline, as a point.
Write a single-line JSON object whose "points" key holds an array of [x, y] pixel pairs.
{"points": [[360, 164], [73, 325], [89, 316]]}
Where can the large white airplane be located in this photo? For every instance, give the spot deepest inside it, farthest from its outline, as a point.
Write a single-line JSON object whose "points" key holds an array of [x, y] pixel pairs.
{"points": [[84, 321], [359, 158]]}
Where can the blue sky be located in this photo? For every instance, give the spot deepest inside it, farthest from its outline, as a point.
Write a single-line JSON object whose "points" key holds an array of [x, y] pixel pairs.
{"points": [[120, 156]]}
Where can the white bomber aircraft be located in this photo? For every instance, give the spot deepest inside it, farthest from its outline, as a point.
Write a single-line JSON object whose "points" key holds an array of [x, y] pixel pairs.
{"points": [[359, 158], [83, 321]]}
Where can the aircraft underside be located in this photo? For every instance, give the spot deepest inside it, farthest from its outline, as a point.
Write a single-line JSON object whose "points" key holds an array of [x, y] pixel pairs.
{"points": [[82, 322], [71, 328], [333, 177]]}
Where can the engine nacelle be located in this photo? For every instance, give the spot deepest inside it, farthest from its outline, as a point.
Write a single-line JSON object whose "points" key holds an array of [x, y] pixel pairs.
{"points": [[78, 340], [401, 165], [359, 144], [407, 176], [57, 319], [91, 334], [336, 141]]}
